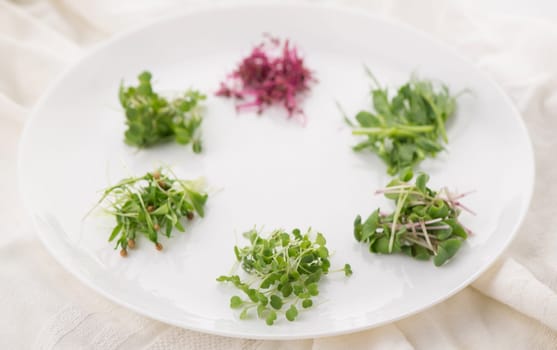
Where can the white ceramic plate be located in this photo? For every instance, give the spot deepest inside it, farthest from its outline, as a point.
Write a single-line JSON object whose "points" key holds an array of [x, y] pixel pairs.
{"points": [[268, 170]]}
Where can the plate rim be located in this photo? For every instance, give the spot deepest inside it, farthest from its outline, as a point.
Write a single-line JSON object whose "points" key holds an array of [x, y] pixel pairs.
{"points": [[346, 9]]}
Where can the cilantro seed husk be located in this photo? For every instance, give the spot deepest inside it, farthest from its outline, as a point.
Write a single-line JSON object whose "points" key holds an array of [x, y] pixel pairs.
{"points": [[141, 206], [131, 243], [283, 270], [424, 224], [153, 119], [405, 128]]}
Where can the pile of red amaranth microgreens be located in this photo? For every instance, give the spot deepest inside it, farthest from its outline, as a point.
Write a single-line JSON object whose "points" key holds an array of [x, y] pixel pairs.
{"points": [[274, 73]]}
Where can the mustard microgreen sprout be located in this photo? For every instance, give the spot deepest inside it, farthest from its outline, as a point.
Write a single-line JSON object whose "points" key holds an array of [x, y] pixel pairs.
{"points": [[283, 273], [408, 127], [424, 223], [153, 119], [151, 205]]}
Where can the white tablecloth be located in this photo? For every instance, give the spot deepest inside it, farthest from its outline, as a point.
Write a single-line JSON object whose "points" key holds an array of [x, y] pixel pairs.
{"points": [[512, 306]]}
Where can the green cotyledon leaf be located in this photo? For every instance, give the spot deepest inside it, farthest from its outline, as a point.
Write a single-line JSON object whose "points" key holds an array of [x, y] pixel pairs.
{"points": [[446, 251]]}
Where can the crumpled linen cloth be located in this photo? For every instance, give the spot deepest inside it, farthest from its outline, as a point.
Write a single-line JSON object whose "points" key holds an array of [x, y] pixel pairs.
{"points": [[512, 306]]}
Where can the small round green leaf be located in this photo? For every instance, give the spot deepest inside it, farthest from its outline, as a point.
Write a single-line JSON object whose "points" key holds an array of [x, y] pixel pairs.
{"points": [[236, 302]]}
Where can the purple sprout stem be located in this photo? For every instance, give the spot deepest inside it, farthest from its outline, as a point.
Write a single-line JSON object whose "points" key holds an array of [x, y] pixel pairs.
{"points": [[461, 206]]}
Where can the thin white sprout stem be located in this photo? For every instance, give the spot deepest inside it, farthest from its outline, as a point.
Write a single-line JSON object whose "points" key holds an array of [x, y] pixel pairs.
{"points": [[419, 243], [422, 224], [441, 227]]}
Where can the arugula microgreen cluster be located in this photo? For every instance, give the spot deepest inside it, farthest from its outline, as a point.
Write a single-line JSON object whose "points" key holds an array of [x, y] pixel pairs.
{"points": [[150, 205], [152, 119], [405, 129], [424, 223], [284, 269]]}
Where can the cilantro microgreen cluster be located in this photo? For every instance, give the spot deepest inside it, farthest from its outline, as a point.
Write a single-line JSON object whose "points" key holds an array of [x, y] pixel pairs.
{"points": [[150, 205], [284, 270], [405, 129], [152, 119], [424, 223]]}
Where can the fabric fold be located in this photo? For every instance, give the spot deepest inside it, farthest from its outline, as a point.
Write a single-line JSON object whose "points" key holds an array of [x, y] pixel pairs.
{"points": [[513, 285]]}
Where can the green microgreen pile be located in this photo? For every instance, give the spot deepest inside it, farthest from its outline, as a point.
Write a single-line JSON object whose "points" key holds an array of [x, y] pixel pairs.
{"points": [[153, 119], [151, 205], [284, 273], [408, 127], [424, 223]]}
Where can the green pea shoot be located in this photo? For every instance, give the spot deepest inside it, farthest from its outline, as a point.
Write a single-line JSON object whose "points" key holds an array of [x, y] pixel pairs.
{"points": [[408, 127]]}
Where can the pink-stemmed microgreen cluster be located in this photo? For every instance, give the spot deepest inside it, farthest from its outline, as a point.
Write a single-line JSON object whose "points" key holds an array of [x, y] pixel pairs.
{"points": [[272, 74], [424, 223]]}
